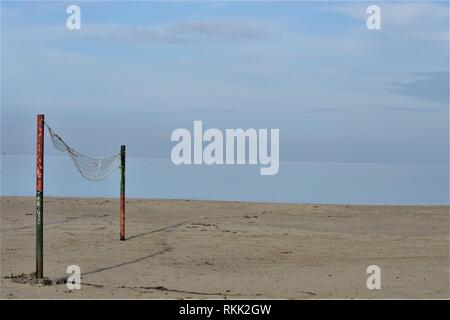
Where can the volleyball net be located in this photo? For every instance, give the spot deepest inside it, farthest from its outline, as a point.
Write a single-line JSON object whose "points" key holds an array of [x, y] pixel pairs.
{"points": [[91, 168]]}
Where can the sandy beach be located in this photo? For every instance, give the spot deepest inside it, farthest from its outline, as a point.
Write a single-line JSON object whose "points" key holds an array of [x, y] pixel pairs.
{"points": [[180, 249]]}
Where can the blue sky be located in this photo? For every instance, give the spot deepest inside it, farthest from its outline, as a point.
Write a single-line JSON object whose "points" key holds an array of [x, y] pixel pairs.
{"points": [[136, 71]]}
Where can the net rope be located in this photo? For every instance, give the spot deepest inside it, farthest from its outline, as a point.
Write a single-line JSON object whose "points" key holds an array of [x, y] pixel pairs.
{"points": [[90, 168]]}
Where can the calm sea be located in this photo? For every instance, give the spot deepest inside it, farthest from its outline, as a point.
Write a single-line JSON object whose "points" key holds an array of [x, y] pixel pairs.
{"points": [[296, 182]]}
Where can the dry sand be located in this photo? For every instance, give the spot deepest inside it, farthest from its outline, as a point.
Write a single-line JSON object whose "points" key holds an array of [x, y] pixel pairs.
{"points": [[216, 250]]}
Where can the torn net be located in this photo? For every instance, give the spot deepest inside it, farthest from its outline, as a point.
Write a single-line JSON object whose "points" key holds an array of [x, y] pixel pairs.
{"points": [[93, 169]]}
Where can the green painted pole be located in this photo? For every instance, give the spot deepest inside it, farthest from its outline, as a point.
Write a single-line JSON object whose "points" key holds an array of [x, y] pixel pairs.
{"points": [[122, 193], [40, 197]]}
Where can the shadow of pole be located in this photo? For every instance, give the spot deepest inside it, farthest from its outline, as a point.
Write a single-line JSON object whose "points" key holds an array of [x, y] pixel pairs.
{"points": [[157, 230], [167, 249]]}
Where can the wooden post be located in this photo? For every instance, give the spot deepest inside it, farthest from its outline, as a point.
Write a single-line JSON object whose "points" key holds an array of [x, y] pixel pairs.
{"points": [[122, 192], [40, 197]]}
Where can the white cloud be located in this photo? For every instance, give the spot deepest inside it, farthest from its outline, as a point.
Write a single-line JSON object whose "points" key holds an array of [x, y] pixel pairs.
{"points": [[396, 14], [176, 33], [428, 86]]}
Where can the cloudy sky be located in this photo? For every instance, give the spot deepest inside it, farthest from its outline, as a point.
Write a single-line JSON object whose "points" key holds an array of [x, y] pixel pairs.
{"points": [[136, 71]]}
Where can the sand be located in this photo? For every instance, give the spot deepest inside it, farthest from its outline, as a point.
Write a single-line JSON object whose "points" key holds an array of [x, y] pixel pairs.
{"points": [[180, 249]]}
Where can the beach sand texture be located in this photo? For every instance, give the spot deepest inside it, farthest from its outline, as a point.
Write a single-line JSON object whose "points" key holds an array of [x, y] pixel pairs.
{"points": [[180, 249]]}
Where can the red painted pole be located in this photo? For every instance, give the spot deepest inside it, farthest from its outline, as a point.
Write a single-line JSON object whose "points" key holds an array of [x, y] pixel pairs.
{"points": [[40, 197], [122, 192]]}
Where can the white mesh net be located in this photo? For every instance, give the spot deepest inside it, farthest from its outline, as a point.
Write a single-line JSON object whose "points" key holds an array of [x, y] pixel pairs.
{"points": [[93, 169]]}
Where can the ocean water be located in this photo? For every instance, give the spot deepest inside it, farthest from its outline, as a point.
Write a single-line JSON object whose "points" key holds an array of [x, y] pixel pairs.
{"points": [[296, 182]]}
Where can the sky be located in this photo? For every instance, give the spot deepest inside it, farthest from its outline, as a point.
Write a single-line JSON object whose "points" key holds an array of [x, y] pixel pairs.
{"points": [[136, 71]]}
